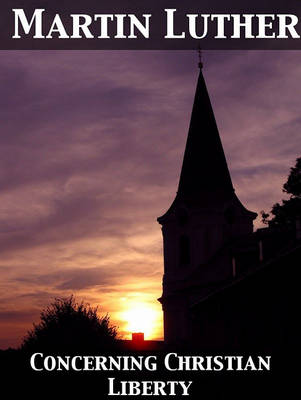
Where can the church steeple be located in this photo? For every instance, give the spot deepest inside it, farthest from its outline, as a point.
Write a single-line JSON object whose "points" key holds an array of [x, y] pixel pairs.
{"points": [[205, 181], [203, 222], [204, 170]]}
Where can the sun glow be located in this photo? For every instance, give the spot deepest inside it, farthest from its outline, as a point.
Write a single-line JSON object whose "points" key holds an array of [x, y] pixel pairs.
{"points": [[141, 319]]}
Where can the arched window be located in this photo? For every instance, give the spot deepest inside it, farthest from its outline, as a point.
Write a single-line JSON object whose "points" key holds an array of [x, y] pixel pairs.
{"points": [[184, 249], [182, 216], [230, 215]]}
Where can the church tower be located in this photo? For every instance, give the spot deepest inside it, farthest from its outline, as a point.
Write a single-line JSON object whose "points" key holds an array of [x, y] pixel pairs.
{"points": [[203, 220]]}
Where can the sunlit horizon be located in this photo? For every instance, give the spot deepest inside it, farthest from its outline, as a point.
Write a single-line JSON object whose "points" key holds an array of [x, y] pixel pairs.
{"points": [[141, 318]]}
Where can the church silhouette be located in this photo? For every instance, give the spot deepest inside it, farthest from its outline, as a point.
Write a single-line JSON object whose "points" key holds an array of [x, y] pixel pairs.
{"points": [[224, 286]]}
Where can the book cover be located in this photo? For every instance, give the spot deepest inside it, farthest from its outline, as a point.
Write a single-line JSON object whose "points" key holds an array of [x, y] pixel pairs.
{"points": [[150, 198]]}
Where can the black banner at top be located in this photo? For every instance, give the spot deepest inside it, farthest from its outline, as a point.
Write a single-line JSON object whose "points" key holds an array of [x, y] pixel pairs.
{"points": [[146, 25]]}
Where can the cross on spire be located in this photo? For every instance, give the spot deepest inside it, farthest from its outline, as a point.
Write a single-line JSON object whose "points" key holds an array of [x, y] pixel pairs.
{"points": [[200, 57]]}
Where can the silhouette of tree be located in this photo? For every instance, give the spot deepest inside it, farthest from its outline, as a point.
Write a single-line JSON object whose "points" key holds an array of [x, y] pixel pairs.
{"points": [[70, 327], [293, 184], [286, 214]]}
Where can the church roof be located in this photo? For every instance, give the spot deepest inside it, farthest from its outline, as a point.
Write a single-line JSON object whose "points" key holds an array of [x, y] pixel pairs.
{"points": [[273, 266], [204, 169], [205, 179]]}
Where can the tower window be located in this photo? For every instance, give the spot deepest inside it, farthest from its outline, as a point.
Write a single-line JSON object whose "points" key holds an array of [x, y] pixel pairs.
{"points": [[184, 250], [230, 215], [182, 216]]}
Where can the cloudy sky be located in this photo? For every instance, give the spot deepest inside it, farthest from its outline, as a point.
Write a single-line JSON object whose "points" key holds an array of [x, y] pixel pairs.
{"points": [[90, 155]]}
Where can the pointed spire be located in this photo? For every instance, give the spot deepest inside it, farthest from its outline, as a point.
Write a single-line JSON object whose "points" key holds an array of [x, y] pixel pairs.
{"points": [[204, 172]]}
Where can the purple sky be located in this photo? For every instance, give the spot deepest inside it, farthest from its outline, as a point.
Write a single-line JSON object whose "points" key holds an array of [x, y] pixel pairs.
{"points": [[91, 150]]}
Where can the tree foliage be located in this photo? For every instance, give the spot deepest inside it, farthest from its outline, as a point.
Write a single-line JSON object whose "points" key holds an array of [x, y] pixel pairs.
{"points": [[293, 183], [70, 327], [284, 215]]}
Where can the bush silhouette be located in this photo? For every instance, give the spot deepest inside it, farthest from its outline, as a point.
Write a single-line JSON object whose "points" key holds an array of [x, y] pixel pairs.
{"points": [[70, 327]]}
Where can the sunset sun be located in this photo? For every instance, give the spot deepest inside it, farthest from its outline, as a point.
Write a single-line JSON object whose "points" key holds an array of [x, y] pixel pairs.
{"points": [[141, 319]]}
